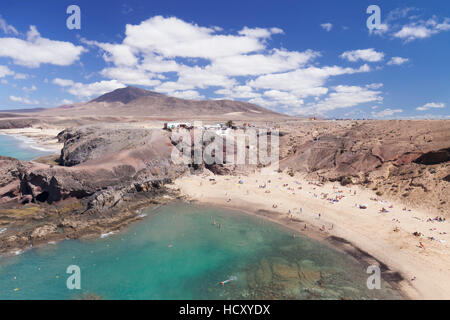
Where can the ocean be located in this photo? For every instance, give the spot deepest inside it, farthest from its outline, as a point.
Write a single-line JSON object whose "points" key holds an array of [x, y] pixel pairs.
{"points": [[21, 148], [184, 251]]}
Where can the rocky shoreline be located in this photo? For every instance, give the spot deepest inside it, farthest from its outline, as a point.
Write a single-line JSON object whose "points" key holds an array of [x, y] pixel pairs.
{"points": [[103, 177]]}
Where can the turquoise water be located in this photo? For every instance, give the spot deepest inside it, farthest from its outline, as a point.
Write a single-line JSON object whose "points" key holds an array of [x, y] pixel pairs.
{"points": [[177, 252], [20, 149]]}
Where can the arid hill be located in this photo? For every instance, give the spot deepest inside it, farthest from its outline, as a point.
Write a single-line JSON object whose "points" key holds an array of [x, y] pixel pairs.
{"points": [[404, 159], [135, 102]]}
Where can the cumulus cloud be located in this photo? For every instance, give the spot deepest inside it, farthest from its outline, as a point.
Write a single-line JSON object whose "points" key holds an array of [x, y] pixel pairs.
{"points": [[327, 26], [414, 32], [256, 64], [406, 24], [66, 101], [152, 47], [36, 50], [374, 86], [21, 76], [423, 29], [172, 37], [283, 98], [397, 61], [132, 76], [23, 100], [385, 113], [239, 92], [303, 82], [5, 71], [88, 90], [29, 89], [259, 32], [63, 82], [188, 94], [369, 55], [344, 97], [431, 105]]}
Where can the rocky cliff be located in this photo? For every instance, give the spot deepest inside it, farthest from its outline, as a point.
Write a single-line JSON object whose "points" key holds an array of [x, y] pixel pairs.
{"points": [[409, 160]]}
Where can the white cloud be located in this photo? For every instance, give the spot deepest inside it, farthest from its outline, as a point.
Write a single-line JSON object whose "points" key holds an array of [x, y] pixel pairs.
{"points": [[172, 37], [238, 92], [82, 90], [431, 105], [385, 113], [23, 100], [283, 98], [380, 30], [369, 55], [36, 50], [21, 76], [327, 26], [188, 94], [419, 29], [30, 89], [259, 32], [197, 77], [63, 82], [130, 76], [414, 32], [303, 82], [344, 97], [397, 61], [256, 64], [5, 71], [152, 46], [374, 86], [6, 28], [66, 101]]}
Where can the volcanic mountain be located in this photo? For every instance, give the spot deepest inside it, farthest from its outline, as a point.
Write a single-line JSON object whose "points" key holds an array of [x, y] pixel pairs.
{"points": [[136, 102]]}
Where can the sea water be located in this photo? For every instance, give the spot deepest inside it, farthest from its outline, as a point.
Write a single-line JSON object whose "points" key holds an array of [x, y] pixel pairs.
{"points": [[21, 148], [184, 251]]}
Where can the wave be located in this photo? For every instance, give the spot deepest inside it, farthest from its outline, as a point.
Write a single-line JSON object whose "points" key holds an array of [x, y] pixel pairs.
{"points": [[105, 235], [30, 143]]}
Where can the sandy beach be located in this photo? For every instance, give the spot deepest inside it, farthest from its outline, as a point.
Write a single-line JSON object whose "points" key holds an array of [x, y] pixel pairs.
{"points": [[39, 138], [331, 211]]}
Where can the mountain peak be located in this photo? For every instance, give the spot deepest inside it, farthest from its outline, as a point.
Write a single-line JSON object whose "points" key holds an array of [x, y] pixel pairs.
{"points": [[125, 95]]}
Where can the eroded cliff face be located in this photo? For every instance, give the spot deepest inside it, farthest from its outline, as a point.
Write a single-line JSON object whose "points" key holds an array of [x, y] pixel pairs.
{"points": [[409, 160]]}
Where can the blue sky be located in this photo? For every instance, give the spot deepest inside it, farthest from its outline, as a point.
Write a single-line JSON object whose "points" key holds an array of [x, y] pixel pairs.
{"points": [[298, 57]]}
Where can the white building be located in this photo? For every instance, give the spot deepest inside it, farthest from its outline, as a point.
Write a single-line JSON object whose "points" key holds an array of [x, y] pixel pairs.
{"points": [[174, 125]]}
